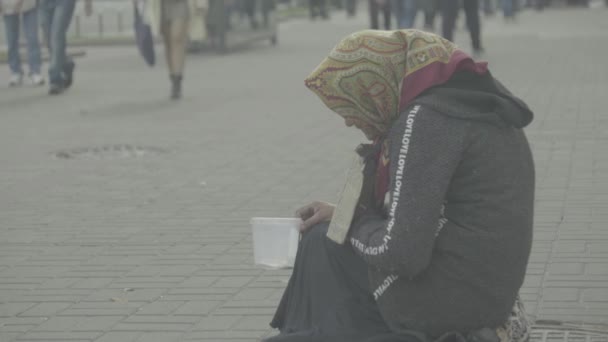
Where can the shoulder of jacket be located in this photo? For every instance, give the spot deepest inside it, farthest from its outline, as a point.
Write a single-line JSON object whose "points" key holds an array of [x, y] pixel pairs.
{"points": [[409, 119]]}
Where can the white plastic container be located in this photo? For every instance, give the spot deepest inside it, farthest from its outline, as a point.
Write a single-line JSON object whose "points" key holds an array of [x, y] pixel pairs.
{"points": [[275, 241]]}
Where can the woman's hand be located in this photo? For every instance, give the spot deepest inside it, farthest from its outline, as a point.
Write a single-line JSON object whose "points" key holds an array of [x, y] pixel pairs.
{"points": [[315, 212]]}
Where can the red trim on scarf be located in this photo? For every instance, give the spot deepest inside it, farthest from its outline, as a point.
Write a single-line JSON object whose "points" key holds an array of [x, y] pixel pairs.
{"points": [[436, 74]]}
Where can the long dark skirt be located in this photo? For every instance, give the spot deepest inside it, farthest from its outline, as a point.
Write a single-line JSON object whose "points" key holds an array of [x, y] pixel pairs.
{"points": [[328, 297]]}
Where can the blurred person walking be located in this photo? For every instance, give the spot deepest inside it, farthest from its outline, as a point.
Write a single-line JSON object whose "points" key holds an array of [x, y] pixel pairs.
{"points": [[22, 14], [56, 16], [540, 5], [351, 7], [171, 19], [509, 8], [405, 13], [377, 6], [449, 11], [430, 8], [318, 8], [488, 7]]}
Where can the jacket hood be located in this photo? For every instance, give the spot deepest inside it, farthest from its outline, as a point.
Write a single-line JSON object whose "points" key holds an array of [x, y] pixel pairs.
{"points": [[475, 97]]}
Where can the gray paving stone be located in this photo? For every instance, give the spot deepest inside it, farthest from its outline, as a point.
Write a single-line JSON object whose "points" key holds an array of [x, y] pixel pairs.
{"points": [[19, 325], [160, 337], [561, 294], [8, 337], [250, 304], [137, 295], [229, 291], [227, 282], [36, 271], [597, 268], [119, 337], [198, 282], [250, 323], [598, 294], [45, 309], [58, 283], [78, 324], [566, 268], [13, 309], [92, 283], [255, 294], [30, 340], [59, 336], [219, 323], [244, 311], [159, 308], [161, 319], [152, 327], [253, 335], [197, 308], [98, 312], [197, 297]]}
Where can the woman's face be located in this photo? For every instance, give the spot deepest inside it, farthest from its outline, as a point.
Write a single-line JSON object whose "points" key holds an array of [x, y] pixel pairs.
{"points": [[371, 133]]}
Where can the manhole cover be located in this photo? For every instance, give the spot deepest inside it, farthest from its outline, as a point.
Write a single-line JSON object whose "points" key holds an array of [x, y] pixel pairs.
{"points": [[550, 331], [121, 151]]}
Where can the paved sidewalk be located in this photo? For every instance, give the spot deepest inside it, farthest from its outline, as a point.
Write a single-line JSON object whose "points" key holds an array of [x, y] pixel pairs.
{"points": [[125, 217]]}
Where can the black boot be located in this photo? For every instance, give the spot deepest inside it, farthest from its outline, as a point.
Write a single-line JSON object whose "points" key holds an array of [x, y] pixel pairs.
{"points": [[176, 87]]}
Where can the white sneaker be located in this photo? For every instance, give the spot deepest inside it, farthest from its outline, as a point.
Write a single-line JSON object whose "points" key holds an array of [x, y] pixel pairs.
{"points": [[37, 80], [15, 80]]}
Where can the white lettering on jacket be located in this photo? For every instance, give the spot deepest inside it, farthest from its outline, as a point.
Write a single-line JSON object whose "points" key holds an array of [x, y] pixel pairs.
{"points": [[385, 285], [396, 195], [396, 192], [442, 221]]}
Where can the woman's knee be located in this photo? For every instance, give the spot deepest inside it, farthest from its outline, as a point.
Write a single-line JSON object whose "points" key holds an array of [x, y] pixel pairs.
{"points": [[178, 31]]}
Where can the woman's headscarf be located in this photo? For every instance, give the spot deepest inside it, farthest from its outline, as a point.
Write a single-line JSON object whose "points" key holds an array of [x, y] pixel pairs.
{"points": [[373, 75]]}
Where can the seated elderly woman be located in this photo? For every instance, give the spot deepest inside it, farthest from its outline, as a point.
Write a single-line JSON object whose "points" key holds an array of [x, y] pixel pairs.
{"points": [[431, 236]]}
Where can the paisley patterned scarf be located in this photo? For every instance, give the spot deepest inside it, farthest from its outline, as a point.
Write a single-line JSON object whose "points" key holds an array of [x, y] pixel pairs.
{"points": [[371, 76]]}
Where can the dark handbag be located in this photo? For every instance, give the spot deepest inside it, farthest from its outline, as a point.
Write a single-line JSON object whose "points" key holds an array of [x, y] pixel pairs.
{"points": [[143, 35]]}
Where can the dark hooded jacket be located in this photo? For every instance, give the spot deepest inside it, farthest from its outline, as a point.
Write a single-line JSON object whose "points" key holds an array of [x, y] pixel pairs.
{"points": [[448, 250]]}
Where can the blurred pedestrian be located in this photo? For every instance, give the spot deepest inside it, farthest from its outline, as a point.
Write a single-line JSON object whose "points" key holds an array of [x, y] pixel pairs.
{"points": [[430, 11], [449, 10], [489, 7], [405, 12], [540, 5], [508, 9], [351, 7], [171, 18], [318, 8], [56, 16], [22, 14], [377, 6]]}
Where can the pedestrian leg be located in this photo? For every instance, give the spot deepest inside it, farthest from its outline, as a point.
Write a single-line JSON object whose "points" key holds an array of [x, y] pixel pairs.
{"points": [[30, 29], [178, 32], [471, 10], [373, 13], [387, 15], [11, 26], [449, 11]]}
